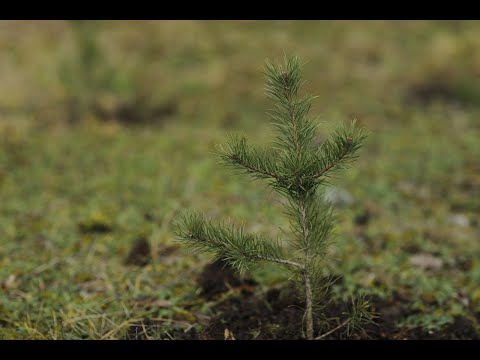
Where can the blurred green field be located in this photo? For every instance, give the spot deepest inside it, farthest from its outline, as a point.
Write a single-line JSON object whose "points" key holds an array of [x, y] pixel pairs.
{"points": [[102, 146]]}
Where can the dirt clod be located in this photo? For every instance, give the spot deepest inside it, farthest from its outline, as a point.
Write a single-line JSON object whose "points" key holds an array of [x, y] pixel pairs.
{"points": [[140, 253], [137, 111], [363, 218], [218, 277]]}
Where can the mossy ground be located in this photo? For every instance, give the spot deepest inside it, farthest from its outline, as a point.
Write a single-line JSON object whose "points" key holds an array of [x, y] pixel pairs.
{"points": [[75, 197]]}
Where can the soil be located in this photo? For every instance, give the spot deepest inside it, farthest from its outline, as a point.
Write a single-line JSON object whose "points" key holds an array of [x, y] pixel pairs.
{"points": [[140, 253], [430, 91], [277, 314], [272, 316], [218, 277], [137, 112]]}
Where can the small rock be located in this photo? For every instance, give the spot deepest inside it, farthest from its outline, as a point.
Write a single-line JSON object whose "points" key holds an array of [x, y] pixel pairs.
{"points": [[10, 282], [459, 220], [426, 261], [339, 198]]}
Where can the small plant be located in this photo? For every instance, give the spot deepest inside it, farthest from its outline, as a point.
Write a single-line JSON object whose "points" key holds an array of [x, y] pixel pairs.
{"points": [[297, 167]]}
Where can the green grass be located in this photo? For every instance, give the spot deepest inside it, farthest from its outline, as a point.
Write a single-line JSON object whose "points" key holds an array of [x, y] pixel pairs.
{"points": [[419, 167]]}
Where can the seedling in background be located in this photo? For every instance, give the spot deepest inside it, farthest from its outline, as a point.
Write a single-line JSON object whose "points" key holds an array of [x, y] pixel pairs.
{"points": [[297, 168]]}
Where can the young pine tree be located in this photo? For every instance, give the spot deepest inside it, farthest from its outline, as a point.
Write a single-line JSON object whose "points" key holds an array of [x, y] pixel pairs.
{"points": [[297, 168]]}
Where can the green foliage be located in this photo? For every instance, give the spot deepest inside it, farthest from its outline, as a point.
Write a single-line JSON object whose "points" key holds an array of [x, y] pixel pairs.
{"points": [[430, 322], [295, 168], [359, 315]]}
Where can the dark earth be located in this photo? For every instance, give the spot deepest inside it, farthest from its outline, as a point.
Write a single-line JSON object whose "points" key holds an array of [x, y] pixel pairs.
{"points": [[140, 253], [277, 314]]}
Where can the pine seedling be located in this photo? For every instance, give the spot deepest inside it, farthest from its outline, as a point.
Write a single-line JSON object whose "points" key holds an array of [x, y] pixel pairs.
{"points": [[296, 167]]}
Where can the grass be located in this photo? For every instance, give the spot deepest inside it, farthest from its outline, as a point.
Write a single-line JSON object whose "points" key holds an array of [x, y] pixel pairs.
{"points": [[418, 173]]}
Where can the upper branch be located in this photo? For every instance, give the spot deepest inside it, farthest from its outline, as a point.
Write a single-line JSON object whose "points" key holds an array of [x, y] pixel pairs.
{"points": [[290, 111], [336, 153]]}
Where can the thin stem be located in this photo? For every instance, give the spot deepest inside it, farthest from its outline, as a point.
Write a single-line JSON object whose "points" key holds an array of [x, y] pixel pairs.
{"points": [[295, 130], [333, 330], [294, 124], [309, 310], [308, 285], [305, 229]]}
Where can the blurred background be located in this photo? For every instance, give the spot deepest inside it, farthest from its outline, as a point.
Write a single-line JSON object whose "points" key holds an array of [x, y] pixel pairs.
{"points": [[107, 130]]}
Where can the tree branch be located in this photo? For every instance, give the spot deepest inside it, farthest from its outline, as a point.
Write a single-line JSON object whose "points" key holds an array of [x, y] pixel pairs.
{"points": [[251, 169], [253, 162], [333, 330], [337, 161]]}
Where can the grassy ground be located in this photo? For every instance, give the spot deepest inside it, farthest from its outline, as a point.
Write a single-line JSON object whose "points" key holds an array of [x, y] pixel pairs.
{"points": [[77, 191]]}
